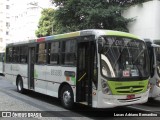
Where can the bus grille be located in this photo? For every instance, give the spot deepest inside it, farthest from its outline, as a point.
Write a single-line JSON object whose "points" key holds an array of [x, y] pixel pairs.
{"points": [[129, 89]]}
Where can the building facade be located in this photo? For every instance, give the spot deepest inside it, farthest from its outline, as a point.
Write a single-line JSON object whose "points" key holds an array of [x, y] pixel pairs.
{"points": [[147, 20], [24, 20], [4, 23], [19, 19]]}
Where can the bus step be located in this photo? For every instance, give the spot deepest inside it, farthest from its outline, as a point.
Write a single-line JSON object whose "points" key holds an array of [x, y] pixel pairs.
{"points": [[31, 89], [84, 103]]}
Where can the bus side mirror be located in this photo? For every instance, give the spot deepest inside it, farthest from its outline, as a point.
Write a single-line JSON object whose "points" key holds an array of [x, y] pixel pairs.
{"points": [[100, 46]]}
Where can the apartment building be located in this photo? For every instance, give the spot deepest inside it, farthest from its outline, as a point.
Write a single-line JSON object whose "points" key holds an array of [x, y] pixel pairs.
{"points": [[25, 18], [19, 19], [4, 23]]}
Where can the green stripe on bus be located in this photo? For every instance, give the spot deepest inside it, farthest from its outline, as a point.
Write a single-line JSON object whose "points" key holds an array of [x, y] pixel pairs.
{"points": [[74, 80], [118, 33], [128, 87]]}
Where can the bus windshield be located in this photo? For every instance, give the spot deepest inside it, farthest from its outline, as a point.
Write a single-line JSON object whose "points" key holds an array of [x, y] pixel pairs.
{"points": [[123, 57], [157, 53]]}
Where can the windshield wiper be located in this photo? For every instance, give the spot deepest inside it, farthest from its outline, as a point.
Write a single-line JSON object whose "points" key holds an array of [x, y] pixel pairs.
{"points": [[118, 57], [138, 56]]}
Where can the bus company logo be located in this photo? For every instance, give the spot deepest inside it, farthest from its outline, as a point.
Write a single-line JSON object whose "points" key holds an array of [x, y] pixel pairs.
{"points": [[6, 114], [131, 89]]}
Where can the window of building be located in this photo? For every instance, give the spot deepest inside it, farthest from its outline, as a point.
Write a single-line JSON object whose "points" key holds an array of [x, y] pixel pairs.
{"points": [[7, 24], [41, 53], [7, 6], [7, 33]]}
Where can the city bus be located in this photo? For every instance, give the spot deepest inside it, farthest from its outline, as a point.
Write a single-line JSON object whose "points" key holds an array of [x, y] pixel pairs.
{"points": [[146, 25], [97, 68], [1, 63], [154, 53]]}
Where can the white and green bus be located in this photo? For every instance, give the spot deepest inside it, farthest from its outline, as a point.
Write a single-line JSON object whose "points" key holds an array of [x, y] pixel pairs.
{"points": [[154, 54], [98, 68], [2, 63], [147, 27]]}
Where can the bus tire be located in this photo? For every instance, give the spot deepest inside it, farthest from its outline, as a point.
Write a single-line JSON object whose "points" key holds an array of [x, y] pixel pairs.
{"points": [[20, 88], [66, 97]]}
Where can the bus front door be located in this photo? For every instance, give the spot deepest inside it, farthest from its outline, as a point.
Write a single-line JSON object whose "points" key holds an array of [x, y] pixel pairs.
{"points": [[85, 71], [31, 67]]}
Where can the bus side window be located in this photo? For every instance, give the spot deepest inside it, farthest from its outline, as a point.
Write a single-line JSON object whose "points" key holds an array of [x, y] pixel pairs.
{"points": [[1, 57], [16, 53], [95, 78], [9, 55], [41, 53], [23, 54], [69, 52], [54, 53]]}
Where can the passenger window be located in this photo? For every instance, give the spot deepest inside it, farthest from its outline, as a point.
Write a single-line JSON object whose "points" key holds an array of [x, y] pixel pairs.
{"points": [[69, 52], [41, 53], [54, 53]]}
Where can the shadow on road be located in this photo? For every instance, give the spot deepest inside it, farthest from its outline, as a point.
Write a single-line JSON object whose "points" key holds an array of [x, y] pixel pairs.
{"points": [[78, 111], [81, 110]]}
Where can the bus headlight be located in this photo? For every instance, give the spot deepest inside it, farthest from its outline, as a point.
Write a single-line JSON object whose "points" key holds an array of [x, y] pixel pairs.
{"points": [[105, 87], [149, 86], [158, 83]]}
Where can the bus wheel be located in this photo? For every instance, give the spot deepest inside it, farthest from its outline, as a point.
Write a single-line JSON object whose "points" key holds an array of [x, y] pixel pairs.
{"points": [[20, 85], [67, 97]]}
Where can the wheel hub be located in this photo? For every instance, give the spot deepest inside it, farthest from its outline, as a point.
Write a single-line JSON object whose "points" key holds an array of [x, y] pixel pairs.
{"points": [[66, 97]]}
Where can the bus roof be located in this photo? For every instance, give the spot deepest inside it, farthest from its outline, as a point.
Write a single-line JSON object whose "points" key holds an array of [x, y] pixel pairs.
{"points": [[76, 34]]}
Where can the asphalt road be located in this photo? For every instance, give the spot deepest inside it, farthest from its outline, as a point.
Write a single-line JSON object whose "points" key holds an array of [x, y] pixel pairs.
{"points": [[50, 108]]}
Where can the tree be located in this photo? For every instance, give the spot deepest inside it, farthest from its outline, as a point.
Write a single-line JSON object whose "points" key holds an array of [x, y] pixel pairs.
{"points": [[75, 15], [45, 27]]}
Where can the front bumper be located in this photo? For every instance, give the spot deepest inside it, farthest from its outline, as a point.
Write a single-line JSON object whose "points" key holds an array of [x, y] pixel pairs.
{"points": [[155, 92], [109, 101]]}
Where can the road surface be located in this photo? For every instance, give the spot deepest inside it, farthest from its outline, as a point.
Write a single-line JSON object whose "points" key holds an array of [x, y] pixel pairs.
{"points": [[39, 106]]}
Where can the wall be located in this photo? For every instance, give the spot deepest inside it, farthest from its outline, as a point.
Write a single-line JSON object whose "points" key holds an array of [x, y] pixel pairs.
{"points": [[147, 19]]}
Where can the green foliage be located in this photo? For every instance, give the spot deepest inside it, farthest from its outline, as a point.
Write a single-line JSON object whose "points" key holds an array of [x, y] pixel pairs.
{"points": [[45, 27], [75, 15]]}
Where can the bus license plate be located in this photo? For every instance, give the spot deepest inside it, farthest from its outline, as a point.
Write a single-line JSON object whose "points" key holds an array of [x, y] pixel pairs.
{"points": [[130, 97]]}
